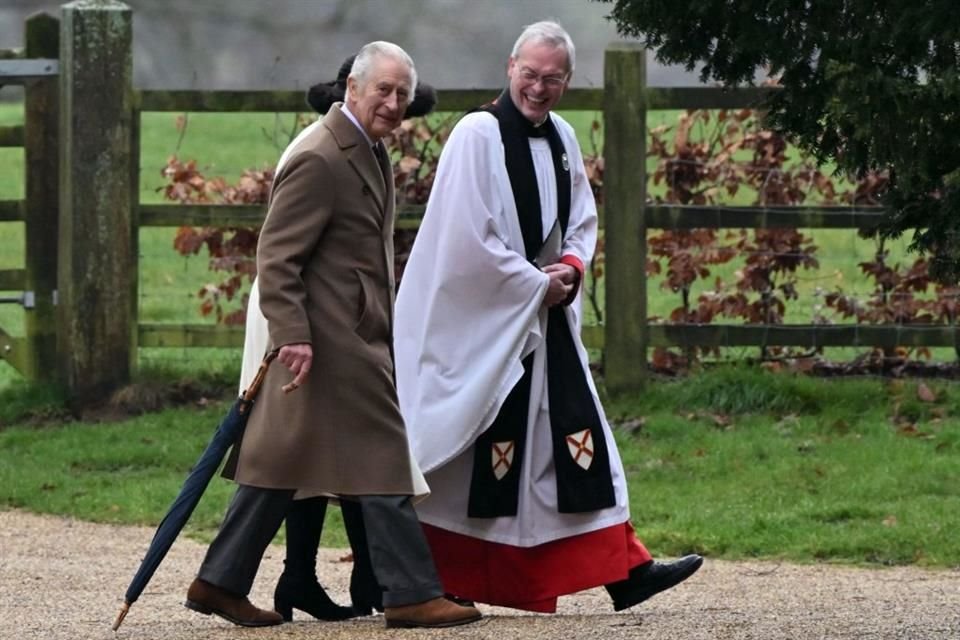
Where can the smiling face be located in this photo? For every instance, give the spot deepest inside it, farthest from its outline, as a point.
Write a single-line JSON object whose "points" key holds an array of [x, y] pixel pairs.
{"points": [[539, 75], [379, 102]]}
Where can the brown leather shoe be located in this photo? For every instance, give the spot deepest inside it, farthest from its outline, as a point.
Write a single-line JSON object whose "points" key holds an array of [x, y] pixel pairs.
{"points": [[435, 613], [206, 598]]}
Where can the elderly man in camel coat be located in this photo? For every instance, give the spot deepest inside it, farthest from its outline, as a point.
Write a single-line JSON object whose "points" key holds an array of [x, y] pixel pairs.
{"points": [[325, 268]]}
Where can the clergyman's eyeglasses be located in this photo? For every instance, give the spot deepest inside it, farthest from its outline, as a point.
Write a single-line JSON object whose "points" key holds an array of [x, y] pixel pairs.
{"points": [[551, 82]]}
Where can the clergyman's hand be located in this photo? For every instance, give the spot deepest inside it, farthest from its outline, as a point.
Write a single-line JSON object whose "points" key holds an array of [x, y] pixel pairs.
{"points": [[298, 358], [567, 273], [557, 290]]}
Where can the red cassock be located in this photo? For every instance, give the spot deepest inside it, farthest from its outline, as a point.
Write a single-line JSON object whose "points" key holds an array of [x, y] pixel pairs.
{"points": [[531, 578]]}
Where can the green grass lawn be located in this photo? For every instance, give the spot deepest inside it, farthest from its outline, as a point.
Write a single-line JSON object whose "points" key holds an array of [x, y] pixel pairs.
{"points": [[732, 463], [740, 464]]}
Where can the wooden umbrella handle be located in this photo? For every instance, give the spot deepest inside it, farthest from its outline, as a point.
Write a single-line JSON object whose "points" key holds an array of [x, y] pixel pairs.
{"points": [[254, 387]]}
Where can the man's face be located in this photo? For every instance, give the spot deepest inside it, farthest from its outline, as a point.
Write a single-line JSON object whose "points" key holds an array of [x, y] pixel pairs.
{"points": [[380, 103], [538, 77]]}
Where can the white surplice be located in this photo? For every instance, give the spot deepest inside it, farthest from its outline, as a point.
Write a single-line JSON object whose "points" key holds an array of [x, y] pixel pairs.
{"points": [[468, 310]]}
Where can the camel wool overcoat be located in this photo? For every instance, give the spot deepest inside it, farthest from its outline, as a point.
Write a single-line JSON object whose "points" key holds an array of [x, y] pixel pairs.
{"points": [[326, 277]]}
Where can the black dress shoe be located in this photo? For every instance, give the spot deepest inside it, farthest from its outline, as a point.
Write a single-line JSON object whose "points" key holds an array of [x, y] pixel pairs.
{"points": [[307, 596], [365, 594], [650, 579], [361, 608]]}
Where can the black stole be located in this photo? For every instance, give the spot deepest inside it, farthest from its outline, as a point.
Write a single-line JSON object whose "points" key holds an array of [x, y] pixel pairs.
{"points": [[577, 433]]}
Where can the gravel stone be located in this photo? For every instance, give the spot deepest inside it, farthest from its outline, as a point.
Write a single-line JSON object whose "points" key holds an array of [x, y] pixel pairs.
{"points": [[63, 579]]}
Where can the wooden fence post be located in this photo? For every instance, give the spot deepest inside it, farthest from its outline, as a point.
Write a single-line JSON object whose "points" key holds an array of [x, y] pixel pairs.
{"points": [[41, 210], [625, 230], [136, 124], [96, 261]]}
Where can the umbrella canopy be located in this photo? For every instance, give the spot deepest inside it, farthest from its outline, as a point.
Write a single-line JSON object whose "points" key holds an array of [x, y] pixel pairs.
{"points": [[196, 483]]}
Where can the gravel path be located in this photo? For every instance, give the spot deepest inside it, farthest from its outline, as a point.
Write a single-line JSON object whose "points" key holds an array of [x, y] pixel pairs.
{"points": [[64, 579]]}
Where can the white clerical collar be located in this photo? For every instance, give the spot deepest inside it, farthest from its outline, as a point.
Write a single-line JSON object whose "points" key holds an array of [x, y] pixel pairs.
{"points": [[356, 122]]}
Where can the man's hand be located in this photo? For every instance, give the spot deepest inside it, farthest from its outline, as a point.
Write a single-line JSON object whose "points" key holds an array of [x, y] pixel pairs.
{"points": [[568, 273], [298, 358], [562, 279]]}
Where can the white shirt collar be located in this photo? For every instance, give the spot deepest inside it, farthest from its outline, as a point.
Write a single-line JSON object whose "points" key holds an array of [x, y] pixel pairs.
{"points": [[356, 122]]}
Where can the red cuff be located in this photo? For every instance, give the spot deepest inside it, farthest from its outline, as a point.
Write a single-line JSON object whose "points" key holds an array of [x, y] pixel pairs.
{"points": [[576, 263]]}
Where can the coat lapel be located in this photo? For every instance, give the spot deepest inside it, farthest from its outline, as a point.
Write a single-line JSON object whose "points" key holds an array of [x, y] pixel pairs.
{"points": [[358, 154], [387, 231], [391, 198], [376, 178]]}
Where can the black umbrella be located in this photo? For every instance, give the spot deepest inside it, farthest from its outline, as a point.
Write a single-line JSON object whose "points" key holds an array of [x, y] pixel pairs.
{"points": [[196, 483]]}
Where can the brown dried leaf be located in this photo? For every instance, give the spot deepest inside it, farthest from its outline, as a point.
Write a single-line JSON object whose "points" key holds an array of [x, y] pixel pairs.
{"points": [[408, 164]]}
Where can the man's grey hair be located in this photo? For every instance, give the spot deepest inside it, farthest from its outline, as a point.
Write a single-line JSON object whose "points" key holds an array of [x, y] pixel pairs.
{"points": [[547, 32], [380, 49]]}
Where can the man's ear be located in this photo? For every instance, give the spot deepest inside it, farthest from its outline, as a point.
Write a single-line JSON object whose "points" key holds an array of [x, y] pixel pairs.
{"points": [[351, 94]]}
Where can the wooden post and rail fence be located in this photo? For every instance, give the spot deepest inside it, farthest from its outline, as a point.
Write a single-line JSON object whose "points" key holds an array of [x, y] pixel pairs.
{"points": [[82, 213]]}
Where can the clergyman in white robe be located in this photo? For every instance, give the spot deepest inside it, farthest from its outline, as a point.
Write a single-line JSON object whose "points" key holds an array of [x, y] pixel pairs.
{"points": [[469, 309]]}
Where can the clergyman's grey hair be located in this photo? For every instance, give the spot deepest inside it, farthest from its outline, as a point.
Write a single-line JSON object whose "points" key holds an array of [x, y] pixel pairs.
{"points": [[547, 32]]}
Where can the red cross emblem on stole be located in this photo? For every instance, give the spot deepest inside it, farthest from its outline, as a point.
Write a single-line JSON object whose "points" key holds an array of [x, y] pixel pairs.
{"points": [[502, 458], [580, 445]]}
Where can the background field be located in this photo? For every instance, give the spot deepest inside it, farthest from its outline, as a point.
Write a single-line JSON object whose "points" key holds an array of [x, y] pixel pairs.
{"points": [[226, 144]]}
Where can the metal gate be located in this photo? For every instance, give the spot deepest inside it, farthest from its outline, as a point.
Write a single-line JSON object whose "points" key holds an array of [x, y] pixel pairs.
{"points": [[33, 287]]}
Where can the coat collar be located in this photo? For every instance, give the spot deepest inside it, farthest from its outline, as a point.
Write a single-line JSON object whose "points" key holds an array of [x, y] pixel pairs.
{"points": [[354, 145]]}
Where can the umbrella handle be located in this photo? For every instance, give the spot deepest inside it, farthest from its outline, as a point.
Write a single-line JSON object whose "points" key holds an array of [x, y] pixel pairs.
{"points": [[120, 616], [254, 387]]}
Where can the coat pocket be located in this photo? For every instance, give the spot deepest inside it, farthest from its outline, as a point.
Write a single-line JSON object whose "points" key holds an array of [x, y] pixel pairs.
{"points": [[372, 321]]}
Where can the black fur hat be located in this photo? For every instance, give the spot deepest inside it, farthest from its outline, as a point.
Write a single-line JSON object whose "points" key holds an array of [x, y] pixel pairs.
{"points": [[321, 96]]}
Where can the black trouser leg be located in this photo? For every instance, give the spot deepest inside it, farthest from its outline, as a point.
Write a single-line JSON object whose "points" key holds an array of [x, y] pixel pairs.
{"points": [[304, 528], [365, 592]]}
